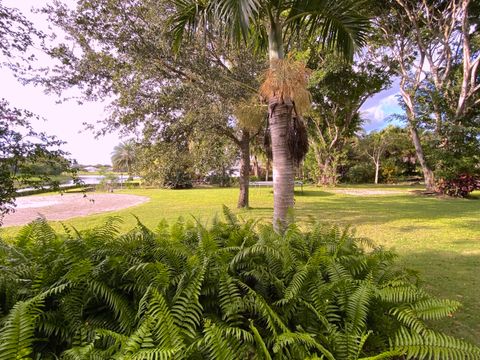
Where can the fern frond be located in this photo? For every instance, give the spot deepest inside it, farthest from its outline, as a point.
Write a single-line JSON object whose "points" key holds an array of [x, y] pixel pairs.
{"points": [[140, 339], [407, 316], [357, 308], [434, 309], [399, 291], [433, 345], [261, 346], [289, 338], [230, 216], [18, 333], [296, 284], [219, 346], [186, 308], [115, 301], [229, 299], [259, 305], [156, 354], [384, 355], [166, 333]]}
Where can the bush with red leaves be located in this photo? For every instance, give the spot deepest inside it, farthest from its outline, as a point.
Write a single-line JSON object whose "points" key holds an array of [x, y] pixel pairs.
{"points": [[460, 186]]}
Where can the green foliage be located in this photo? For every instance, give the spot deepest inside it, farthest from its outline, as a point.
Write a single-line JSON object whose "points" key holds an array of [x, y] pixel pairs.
{"points": [[360, 173], [167, 164], [124, 156], [187, 292], [338, 90], [27, 158], [24, 153]]}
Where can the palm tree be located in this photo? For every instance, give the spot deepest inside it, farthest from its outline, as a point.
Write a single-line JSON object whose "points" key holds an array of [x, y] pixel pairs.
{"points": [[123, 157], [336, 24]]}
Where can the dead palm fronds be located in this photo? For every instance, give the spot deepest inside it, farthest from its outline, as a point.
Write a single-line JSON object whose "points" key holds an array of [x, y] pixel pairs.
{"points": [[287, 79]]}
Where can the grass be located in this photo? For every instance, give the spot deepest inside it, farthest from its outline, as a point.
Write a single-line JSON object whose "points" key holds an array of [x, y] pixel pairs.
{"points": [[438, 237]]}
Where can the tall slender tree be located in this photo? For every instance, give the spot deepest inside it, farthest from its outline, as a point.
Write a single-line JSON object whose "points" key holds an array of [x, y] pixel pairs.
{"points": [[436, 46], [273, 24]]}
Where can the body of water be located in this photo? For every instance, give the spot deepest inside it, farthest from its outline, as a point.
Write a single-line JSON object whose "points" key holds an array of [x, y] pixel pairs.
{"points": [[87, 180]]}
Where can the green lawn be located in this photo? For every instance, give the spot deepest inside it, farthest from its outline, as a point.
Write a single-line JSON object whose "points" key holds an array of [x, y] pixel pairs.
{"points": [[438, 237]]}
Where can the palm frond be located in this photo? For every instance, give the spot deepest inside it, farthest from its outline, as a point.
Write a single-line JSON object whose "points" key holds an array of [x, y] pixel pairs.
{"points": [[340, 25]]}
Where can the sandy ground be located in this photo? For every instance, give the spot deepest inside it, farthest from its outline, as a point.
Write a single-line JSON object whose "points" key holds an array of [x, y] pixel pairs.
{"points": [[62, 207]]}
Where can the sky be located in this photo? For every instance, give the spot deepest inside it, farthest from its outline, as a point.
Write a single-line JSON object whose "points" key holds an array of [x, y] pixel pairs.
{"points": [[66, 120]]}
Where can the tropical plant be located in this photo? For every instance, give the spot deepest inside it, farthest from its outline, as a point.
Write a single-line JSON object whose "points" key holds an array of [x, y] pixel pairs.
{"points": [[461, 186], [337, 24], [124, 156], [228, 292]]}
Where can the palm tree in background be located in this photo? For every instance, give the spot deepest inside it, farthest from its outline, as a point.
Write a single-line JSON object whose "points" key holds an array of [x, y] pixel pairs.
{"points": [[123, 157], [272, 25]]}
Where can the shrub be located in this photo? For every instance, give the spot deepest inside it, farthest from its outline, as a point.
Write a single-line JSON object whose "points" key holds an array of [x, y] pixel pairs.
{"points": [[227, 292], [178, 179], [459, 186], [390, 171], [220, 179], [360, 174]]}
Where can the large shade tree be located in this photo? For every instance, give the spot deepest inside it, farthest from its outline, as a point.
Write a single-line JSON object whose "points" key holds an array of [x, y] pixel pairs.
{"points": [[338, 91], [20, 145], [120, 51], [273, 24]]}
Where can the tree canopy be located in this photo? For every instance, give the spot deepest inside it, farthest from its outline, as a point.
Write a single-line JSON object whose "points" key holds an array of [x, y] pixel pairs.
{"points": [[20, 145]]}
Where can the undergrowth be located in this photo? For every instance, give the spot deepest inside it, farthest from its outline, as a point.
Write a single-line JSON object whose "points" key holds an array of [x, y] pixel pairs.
{"points": [[235, 290]]}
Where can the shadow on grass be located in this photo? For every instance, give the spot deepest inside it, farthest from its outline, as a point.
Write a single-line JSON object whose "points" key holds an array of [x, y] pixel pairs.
{"points": [[311, 193], [454, 276], [381, 209]]}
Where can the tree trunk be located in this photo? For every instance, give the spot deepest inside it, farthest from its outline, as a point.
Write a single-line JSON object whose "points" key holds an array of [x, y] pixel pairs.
{"points": [[328, 171], [244, 178], [377, 170], [333, 173], [324, 179], [280, 114], [283, 167], [256, 167], [427, 172], [267, 169]]}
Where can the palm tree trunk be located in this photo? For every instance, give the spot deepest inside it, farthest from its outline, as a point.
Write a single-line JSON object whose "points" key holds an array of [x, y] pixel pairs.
{"points": [[283, 169], [244, 178], [280, 114]]}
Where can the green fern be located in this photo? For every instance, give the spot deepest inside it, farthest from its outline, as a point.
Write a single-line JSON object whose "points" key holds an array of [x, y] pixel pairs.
{"points": [[234, 289], [18, 332], [433, 345]]}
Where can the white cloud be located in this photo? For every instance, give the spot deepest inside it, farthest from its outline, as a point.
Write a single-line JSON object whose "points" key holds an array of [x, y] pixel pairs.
{"points": [[374, 114], [377, 114]]}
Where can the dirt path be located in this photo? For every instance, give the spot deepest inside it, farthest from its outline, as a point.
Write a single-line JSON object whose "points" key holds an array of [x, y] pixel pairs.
{"points": [[62, 207]]}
